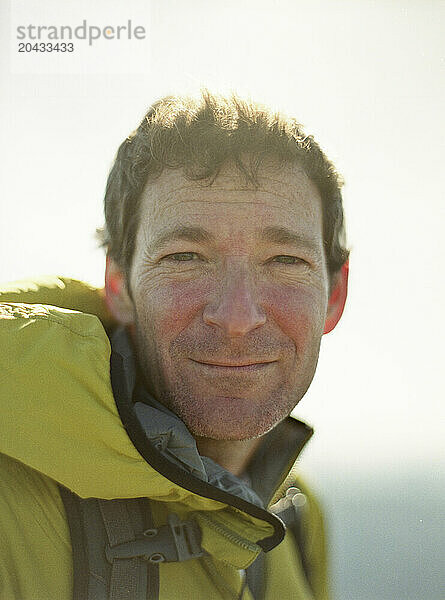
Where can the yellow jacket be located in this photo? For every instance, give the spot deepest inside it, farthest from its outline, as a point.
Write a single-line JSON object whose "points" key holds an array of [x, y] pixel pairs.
{"points": [[59, 424]]}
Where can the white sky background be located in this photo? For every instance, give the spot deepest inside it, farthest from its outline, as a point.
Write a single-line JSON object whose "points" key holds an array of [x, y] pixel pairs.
{"points": [[366, 78]]}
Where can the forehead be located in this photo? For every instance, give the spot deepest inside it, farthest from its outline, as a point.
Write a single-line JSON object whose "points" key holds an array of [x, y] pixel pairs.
{"points": [[285, 197]]}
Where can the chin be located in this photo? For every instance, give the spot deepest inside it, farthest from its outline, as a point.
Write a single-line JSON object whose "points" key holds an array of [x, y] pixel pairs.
{"points": [[227, 418], [225, 431]]}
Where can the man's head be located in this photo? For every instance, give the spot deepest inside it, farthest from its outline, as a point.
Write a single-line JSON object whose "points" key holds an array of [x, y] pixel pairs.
{"points": [[224, 229]]}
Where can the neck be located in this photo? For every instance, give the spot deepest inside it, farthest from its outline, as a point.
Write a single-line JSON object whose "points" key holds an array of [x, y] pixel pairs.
{"points": [[233, 455]]}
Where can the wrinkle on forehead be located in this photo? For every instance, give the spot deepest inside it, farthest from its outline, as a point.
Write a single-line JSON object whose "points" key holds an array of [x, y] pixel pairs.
{"points": [[163, 196]]}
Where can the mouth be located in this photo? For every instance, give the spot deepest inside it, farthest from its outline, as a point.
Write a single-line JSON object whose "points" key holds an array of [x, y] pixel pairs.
{"points": [[234, 367]]}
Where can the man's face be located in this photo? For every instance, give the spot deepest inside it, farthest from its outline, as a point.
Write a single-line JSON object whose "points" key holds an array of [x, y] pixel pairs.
{"points": [[230, 291]]}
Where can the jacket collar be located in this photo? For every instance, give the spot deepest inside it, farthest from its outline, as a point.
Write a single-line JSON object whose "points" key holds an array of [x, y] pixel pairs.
{"points": [[266, 471]]}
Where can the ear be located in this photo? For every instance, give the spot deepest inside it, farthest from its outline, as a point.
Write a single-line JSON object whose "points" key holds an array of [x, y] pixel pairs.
{"points": [[337, 299], [116, 295]]}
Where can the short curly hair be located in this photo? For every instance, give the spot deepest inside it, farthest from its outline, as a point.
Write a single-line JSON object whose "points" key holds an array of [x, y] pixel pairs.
{"points": [[201, 135]]}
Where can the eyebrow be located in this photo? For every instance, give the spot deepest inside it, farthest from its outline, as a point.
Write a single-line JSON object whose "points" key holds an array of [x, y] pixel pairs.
{"points": [[188, 233], [272, 234], [282, 235]]}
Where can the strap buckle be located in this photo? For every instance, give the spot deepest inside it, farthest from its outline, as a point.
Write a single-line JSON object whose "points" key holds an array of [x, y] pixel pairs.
{"points": [[176, 541]]}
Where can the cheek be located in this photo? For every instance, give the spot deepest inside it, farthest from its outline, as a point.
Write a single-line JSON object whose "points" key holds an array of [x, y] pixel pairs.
{"points": [[299, 312], [175, 305]]}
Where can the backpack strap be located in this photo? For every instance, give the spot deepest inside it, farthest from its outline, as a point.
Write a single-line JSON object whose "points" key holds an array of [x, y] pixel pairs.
{"points": [[117, 550], [78, 545], [128, 579]]}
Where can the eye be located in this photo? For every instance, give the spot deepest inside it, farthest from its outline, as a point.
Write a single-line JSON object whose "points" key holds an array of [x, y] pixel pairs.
{"points": [[284, 259], [181, 256]]}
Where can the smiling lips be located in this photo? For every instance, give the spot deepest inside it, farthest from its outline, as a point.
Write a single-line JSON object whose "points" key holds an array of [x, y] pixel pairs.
{"points": [[234, 367]]}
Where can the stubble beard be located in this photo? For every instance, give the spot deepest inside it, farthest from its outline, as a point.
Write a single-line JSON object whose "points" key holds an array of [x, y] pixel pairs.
{"points": [[227, 418], [216, 417]]}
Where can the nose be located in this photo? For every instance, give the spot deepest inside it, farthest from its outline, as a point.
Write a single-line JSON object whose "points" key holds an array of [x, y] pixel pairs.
{"points": [[235, 309]]}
